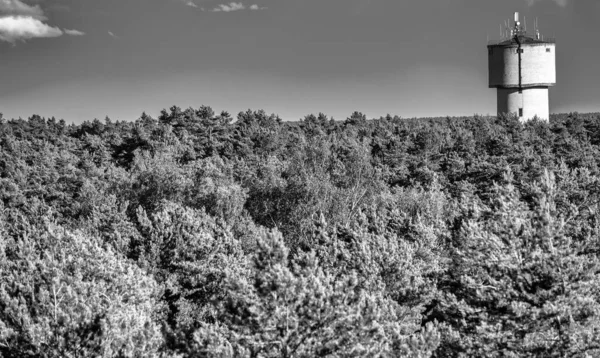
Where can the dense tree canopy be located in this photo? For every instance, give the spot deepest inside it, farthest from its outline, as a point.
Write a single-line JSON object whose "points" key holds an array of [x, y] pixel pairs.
{"points": [[196, 234]]}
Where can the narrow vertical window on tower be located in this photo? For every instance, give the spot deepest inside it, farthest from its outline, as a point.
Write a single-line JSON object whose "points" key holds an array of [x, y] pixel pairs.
{"points": [[520, 112]]}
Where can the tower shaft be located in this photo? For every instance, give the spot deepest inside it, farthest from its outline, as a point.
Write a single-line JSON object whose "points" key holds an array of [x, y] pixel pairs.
{"points": [[527, 103]]}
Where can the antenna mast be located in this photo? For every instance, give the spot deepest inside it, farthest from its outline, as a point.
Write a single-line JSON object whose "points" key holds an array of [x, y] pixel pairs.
{"points": [[517, 29]]}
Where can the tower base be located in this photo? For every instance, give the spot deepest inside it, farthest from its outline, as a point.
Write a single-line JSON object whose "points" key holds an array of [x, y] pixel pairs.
{"points": [[526, 104]]}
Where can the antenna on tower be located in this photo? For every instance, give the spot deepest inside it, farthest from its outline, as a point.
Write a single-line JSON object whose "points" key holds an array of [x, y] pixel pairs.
{"points": [[517, 29]]}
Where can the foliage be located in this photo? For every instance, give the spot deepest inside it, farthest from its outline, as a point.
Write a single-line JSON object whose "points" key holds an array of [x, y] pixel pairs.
{"points": [[521, 285], [287, 309], [63, 294], [197, 234]]}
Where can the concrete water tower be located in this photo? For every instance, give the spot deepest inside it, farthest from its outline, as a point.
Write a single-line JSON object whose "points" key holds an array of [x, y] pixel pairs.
{"points": [[522, 68]]}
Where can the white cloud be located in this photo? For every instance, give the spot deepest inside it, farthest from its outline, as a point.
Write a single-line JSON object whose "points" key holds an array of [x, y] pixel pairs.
{"points": [[21, 28], [20, 21], [561, 3], [74, 32], [189, 3], [235, 6], [19, 8]]}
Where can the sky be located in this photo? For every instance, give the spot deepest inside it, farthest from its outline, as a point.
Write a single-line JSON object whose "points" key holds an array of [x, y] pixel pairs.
{"points": [[85, 59]]}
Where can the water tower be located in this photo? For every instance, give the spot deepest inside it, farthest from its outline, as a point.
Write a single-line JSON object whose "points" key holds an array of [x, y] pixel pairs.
{"points": [[522, 68]]}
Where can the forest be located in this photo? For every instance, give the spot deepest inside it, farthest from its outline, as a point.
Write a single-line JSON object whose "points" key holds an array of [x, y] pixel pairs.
{"points": [[197, 234]]}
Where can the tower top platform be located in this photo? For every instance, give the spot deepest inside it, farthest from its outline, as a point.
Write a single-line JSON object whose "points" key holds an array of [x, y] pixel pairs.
{"points": [[518, 36], [522, 39]]}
